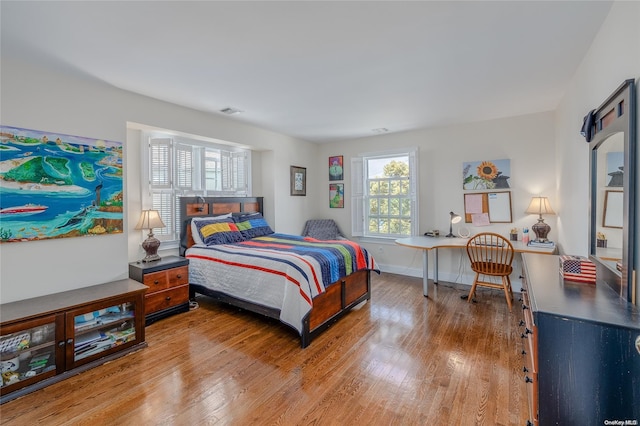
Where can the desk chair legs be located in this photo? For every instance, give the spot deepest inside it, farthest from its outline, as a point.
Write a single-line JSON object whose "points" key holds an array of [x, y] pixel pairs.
{"points": [[505, 286]]}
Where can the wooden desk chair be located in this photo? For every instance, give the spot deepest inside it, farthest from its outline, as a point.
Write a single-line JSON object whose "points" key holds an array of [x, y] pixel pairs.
{"points": [[491, 255]]}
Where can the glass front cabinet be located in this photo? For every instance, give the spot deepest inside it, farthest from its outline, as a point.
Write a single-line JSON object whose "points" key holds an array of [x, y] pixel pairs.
{"points": [[28, 352], [39, 347], [99, 330]]}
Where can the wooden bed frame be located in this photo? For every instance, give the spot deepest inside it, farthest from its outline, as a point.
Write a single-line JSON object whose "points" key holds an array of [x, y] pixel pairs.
{"points": [[328, 307]]}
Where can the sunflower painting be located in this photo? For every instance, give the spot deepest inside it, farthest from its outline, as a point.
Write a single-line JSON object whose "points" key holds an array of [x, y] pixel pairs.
{"points": [[485, 174]]}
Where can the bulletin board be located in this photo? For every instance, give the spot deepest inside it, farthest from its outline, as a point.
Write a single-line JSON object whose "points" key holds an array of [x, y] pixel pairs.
{"points": [[488, 207], [613, 203]]}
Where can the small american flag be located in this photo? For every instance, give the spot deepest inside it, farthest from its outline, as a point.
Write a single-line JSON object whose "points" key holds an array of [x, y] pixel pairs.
{"points": [[577, 268]]}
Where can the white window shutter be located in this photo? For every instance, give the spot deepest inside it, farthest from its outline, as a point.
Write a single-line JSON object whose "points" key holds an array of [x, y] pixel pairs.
{"points": [[239, 160], [184, 167], [160, 163], [413, 188], [163, 202], [227, 170], [357, 196]]}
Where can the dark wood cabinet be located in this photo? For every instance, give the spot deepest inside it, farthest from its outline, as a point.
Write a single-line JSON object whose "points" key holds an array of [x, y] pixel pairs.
{"points": [[581, 348], [168, 282], [46, 339]]}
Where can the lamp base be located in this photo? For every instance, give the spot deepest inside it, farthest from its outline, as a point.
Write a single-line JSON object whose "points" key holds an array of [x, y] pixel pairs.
{"points": [[151, 258], [541, 230], [450, 234], [150, 246]]}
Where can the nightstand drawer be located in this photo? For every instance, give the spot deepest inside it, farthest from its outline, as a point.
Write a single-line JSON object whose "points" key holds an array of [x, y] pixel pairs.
{"points": [[165, 299], [161, 280], [168, 283]]}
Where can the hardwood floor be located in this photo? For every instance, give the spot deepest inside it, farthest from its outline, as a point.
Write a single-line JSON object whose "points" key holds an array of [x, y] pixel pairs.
{"points": [[400, 359]]}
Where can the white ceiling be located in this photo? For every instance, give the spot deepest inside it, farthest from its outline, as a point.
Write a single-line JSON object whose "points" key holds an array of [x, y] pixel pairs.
{"points": [[318, 70]]}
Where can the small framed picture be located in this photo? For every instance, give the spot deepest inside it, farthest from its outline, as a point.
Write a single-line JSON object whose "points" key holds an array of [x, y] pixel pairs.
{"points": [[336, 195], [336, 168], [298, 180]]}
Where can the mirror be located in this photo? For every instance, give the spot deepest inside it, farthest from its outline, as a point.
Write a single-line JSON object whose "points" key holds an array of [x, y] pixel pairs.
{"points": [[609, 200], [610, 130]]}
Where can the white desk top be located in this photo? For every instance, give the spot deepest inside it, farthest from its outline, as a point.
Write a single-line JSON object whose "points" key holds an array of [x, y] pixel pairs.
{"points": [[613, 254], [428, 243]]}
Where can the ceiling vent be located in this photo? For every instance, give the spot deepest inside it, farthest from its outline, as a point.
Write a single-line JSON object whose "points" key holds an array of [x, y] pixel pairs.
{"points": [[230, 111]]}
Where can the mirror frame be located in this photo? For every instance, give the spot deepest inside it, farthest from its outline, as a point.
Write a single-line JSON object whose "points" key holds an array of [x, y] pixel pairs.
{"points": [[616, 115]]}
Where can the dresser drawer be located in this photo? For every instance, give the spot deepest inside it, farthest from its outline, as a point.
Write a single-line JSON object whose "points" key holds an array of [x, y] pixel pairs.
{"points": [[165, 299], [161, 280]]}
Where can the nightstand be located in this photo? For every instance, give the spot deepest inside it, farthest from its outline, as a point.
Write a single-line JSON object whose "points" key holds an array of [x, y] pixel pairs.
{"points": [[168, 282]]}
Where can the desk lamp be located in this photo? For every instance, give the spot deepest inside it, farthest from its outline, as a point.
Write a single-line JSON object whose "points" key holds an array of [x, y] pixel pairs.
{"points": [[540, 206], [150, 219], [455, 218]]}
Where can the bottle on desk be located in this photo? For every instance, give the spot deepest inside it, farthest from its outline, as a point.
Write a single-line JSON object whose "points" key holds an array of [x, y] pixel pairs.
{"points": [[525, 236]]}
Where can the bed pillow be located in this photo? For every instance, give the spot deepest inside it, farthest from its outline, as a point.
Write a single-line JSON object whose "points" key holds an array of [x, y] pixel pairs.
{"points": [[253, 225], [219, 231], [197, 239]]}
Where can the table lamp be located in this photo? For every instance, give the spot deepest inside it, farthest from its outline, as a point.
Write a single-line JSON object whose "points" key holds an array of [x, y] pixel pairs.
{"points": [[150, 219], [540, 206], [455, 218]]}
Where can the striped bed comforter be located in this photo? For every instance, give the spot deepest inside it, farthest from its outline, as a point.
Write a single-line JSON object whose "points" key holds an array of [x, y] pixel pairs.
{"points": [[278, 270]]}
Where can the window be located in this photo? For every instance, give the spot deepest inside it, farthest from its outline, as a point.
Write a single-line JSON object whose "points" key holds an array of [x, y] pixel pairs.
{"points": [[384, 194], [179, 167]]}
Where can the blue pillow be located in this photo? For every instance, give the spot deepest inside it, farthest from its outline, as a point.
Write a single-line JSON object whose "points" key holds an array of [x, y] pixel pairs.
{"points": [[219, 231], [253, 225]]}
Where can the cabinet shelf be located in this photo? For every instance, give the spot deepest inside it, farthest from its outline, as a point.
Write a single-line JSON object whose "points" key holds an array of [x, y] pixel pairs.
{"points": [[47, 339], [103, 323], [6, 356]]}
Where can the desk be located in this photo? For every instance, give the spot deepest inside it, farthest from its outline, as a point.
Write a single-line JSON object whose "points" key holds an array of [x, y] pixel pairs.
{"points": [[435, 243]]}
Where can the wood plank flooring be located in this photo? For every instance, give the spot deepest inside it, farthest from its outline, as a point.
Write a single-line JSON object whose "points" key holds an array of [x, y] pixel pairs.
{"points": [[400, 359]]}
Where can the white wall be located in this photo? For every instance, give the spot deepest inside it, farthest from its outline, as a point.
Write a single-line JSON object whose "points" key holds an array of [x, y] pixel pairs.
{"points": [[56, 100], [613, 57], [528, 141]]}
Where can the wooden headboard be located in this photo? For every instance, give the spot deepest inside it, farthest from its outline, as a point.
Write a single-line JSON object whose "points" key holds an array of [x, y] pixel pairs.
{"points": [[191, 207]]}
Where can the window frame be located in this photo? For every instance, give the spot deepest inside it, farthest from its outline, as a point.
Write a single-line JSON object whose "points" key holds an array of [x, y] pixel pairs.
{"points": [[361, 196], [193, 183]]}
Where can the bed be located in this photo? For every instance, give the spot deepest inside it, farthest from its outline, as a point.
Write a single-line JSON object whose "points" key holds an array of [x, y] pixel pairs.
{"points": [[235, 257]]}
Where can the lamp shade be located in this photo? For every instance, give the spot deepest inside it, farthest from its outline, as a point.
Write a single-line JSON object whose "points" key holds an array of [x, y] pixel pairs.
{"points": [[540, 206], [150, 219], [455, 218]]}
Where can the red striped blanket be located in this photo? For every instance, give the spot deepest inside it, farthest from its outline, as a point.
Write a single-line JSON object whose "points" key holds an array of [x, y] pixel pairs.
{"points": [[280, 271]]}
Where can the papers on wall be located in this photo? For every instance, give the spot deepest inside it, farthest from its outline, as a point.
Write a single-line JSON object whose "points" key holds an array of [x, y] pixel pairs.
{"points": [[480, 219], [473, 203], [497, 205]]}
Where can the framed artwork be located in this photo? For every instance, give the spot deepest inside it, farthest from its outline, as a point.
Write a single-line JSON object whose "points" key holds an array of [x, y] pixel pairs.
{"points": [[613, 208], [336, 168], [615, 168], [54, 185], [298, 180], [336, 195], [484, 175]]}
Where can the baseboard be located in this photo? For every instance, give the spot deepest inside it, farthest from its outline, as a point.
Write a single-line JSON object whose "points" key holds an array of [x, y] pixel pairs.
{"points": [[464, 279]]}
